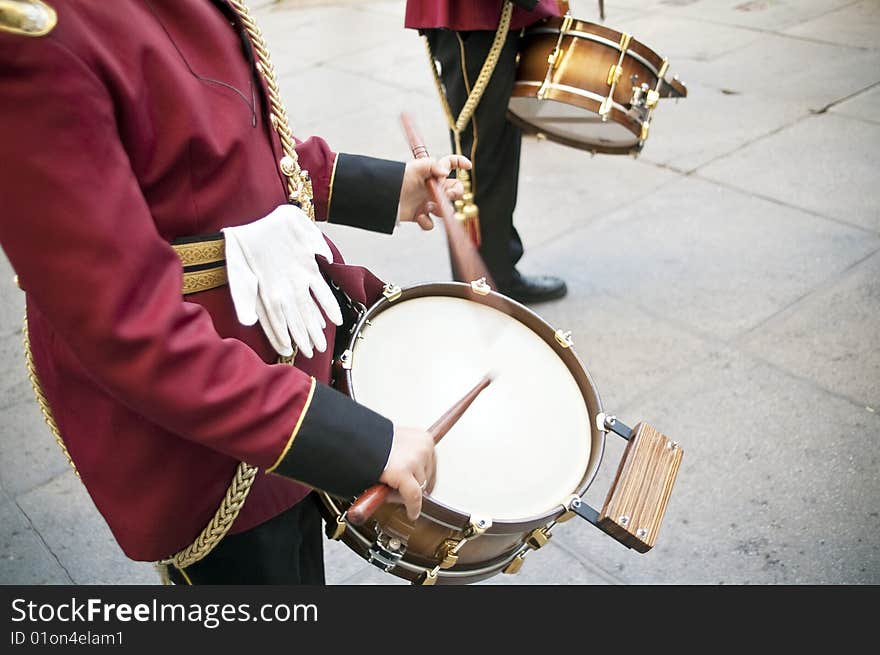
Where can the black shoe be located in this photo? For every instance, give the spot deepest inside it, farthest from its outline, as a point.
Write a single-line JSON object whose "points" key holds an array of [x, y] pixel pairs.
{"points": [[535, 288]]}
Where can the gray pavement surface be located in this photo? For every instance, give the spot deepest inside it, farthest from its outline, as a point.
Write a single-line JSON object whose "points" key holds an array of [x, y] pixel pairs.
{"points": [[724, 286]]}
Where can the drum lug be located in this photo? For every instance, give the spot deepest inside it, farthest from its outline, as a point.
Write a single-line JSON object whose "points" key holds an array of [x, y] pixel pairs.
{"points": [[480, 287], [345, 359], [563, 338], [614, 73], [428, 578], [391, 292], [515, 564], [448, 553], [555, 58], [538, 538], [335, 531], [386, 551]]}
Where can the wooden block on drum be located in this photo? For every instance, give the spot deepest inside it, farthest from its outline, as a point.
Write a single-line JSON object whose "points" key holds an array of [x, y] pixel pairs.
{"points": [[637, 500]]}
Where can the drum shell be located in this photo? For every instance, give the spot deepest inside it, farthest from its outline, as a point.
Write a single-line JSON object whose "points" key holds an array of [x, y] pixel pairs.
{"points": [[425, 538], [588, 51]]}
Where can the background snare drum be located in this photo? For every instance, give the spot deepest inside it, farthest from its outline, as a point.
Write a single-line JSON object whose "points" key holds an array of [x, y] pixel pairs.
{"points": [[588, 86]]}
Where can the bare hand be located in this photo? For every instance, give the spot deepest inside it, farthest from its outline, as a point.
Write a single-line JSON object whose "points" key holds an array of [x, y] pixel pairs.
{"points": [[416, 200], [411, 468]]}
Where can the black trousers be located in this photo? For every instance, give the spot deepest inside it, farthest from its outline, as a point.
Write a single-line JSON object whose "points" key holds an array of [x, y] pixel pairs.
{"points": [[286, 550], [490, 141]]}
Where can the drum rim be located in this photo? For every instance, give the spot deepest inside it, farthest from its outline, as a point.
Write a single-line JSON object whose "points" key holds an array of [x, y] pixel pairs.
{"points": [[580, 29], [617, 110], [444, 514]]}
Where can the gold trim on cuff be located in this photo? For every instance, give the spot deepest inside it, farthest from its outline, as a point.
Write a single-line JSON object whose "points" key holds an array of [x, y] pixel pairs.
{"points": [[332, 179], [295, 429]]}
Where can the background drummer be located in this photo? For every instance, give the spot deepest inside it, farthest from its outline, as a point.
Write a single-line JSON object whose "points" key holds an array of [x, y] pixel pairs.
{"points": [[460, 34], [121, 147]]}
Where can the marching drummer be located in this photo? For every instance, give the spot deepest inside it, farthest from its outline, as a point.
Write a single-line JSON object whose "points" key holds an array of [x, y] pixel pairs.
{"points": [[460, 35], [152, 163]]}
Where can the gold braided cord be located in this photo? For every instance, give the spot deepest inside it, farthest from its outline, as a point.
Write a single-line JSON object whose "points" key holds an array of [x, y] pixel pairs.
{"points": [[458, 125], [223, 519], [299, 185], [41, 397]]}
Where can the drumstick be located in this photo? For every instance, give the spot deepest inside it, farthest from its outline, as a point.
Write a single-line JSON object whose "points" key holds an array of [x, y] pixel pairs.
{"points": [[466, 260], [369, 501]]}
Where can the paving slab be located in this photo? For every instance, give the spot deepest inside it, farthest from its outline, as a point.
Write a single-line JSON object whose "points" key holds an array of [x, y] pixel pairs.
{"points": [[31, 457], [826, 164], [376, 130], [562, 189], [400, 62], [15, 388], [707, 257], [852, 25], [11, 299], [626, 351], [767, 15], [680, 38], [864, 105], [710, 123], [300, 38], [786, 69], [777, 485], [66, 518], [832, 337], [24, 558]]}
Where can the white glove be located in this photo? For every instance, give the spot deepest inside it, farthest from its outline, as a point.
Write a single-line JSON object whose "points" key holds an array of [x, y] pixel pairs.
{"points": [[272, 270]]}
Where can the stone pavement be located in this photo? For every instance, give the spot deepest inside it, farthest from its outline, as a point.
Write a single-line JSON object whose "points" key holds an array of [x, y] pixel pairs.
{"points": [[724, 286]]}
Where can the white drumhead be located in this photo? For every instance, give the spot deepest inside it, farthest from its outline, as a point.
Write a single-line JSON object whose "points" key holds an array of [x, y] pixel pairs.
{"points": [[571, 122], [522, 447]]}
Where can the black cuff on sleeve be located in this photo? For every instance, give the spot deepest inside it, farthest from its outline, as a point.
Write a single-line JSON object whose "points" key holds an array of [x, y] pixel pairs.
{"points": [[526, 4], [366, 192], [341, 447]]}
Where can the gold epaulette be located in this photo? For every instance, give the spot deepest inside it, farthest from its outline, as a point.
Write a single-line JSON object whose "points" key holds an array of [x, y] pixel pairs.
{"points": [[27, 17]]}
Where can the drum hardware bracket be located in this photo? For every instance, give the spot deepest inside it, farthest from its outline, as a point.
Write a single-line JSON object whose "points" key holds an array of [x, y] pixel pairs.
{"points": [[568, 514], [516, 563], [448, 551], [613, 75], [345, 359], [563, 338], [391, 292], [634, 509], [385, 552], [538, 538], [335, 532], [608, 422], [555, 58], [481, 287]]}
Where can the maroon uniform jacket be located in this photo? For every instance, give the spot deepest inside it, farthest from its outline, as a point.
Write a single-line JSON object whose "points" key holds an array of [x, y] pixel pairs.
{"points": [[465, 15], [131, 124]]}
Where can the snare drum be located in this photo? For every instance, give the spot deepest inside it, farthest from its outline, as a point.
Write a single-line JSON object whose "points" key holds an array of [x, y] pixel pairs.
{"points": [[516, 463], [588, 86]]}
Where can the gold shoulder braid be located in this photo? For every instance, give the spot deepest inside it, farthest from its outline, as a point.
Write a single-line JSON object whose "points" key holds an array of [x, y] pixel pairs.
{"points": [[299, 185], [299, 188], [27, 17]]}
